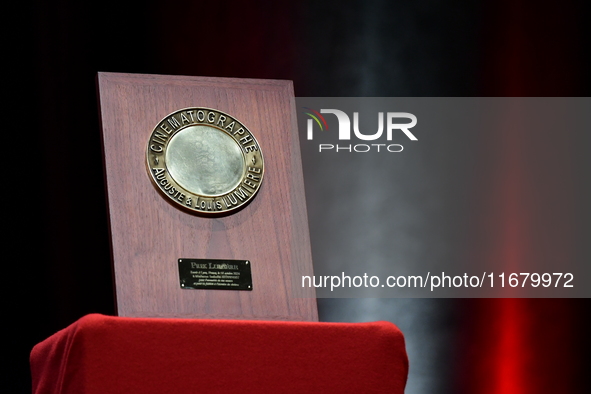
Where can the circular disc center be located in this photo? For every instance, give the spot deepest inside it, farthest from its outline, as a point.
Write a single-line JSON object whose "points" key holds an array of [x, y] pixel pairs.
{"points": [[205, 160]]}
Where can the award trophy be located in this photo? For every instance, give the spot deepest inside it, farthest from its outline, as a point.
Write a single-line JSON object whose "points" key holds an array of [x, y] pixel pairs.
{"points": [[206, 198]]}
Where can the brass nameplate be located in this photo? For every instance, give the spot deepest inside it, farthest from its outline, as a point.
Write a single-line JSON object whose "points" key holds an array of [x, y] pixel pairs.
{"points": [[215, 274], [205, 161]]}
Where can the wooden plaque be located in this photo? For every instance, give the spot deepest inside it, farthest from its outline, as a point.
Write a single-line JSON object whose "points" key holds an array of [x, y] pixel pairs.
{"points": [[149, 234]]}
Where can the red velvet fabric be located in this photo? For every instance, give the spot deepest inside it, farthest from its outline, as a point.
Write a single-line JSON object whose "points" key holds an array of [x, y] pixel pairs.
{"points": [[103, 354]]}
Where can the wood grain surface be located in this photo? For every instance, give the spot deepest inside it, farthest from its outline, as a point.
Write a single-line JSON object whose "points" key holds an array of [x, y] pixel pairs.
{"points": [[149, 235]]}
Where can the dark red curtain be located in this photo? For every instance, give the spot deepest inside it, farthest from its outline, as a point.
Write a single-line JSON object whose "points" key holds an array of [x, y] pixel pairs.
{"points": [[523, 346]]}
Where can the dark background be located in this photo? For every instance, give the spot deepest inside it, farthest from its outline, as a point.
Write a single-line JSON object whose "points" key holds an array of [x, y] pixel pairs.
{"points": [[57, 250]]}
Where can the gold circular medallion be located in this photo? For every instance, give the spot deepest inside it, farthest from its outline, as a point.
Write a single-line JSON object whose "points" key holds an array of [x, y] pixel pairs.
{"points": [[205, 161]]}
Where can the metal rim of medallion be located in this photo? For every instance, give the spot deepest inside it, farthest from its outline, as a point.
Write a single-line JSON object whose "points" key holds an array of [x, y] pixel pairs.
{"points": [[204, 161]]}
